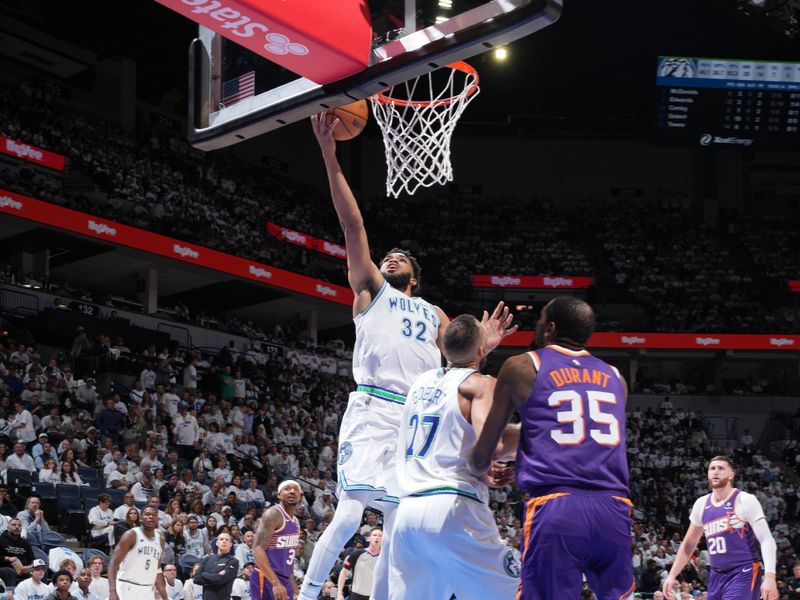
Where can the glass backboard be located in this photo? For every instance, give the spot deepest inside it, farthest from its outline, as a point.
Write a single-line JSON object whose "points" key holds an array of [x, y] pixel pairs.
{"points": [[236, 94]]}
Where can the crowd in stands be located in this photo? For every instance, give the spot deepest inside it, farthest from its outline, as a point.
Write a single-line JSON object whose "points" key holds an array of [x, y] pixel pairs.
{"points": [[208, 439], [687, 277]]}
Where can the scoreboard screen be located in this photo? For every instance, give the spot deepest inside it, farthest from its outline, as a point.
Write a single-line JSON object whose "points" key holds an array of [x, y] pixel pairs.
{"points": [[728, 103]]}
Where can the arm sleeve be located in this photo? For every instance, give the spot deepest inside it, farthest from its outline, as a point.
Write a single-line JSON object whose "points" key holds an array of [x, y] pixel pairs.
{"points": [[696, 516], [749, 509]]}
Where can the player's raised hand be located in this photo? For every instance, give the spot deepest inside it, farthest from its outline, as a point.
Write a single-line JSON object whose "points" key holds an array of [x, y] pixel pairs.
{"points": [[323, 125], [498, 326]]}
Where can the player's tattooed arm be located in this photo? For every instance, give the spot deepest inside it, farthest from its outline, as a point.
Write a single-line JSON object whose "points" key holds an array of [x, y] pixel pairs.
{"points": [[270, 521]]}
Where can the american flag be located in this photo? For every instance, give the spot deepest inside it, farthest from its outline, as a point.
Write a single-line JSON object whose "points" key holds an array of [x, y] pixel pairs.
{"points": [[239, 88]]}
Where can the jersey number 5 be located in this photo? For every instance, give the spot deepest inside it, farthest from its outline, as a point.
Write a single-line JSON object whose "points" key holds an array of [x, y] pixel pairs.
{"points": [[575, 416], [430, 424]]}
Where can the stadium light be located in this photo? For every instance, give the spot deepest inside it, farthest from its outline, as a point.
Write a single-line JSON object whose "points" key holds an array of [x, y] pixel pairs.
{"points": [[500, 53]]}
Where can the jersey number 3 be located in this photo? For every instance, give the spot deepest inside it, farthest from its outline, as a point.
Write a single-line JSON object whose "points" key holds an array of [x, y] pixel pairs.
{"points": [[574, 415]]}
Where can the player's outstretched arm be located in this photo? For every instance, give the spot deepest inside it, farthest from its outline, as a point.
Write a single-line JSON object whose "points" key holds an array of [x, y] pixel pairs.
{"points": [[514, 383], [362, 273], [684, 554], [126, 542], [498, 326], [270, 521]]}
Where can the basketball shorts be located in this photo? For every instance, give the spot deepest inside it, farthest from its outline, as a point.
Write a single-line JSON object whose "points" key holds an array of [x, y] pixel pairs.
{"points": [[367, 444], [261, 588], [741, 583], [448, 544], [573, 533], [132, 591]]}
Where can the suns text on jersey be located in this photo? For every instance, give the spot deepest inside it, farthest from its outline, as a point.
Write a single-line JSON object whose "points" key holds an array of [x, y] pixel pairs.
{"points": [[286, 541]]}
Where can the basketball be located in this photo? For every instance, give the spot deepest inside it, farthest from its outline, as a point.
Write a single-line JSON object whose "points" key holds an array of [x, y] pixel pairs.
{"points": [[352, 120]]}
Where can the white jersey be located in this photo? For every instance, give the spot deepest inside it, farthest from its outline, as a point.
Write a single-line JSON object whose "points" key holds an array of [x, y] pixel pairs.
{"points": [[436, 440], [30, 590], [140, 564], [395, 343]]}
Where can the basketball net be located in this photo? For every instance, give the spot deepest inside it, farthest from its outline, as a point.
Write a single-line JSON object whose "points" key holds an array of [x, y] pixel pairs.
{"points": [[417, 132]]}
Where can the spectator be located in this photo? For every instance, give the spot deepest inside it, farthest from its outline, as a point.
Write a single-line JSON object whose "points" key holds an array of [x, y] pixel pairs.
{"points": [[99, 585], [197, 543], [32, 518], [110, 421], [20, 459], [22, 423], [33, 588], [62, 582], [174, 585], [101, 518], [241, 585], [132, 519], [192, 590], [120, 478], [69, 474], [16, 554], [187, 433], [82, 590], [122, 510], [49, 474]]}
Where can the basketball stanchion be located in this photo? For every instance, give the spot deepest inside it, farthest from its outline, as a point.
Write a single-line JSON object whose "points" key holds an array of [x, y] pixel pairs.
{"points": [[417, 119]]}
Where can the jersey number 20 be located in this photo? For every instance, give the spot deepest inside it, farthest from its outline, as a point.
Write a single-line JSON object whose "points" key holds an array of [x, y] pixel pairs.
{"points": [[576, 417], [430, 424]]}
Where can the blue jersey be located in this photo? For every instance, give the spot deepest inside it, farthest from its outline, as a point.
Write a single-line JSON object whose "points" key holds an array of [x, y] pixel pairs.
{"points": [[573, 425]]}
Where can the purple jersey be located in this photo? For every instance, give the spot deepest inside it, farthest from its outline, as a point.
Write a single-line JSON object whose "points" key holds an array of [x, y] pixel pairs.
{"points": [[573, 425], [730, 539], [283, 545]]}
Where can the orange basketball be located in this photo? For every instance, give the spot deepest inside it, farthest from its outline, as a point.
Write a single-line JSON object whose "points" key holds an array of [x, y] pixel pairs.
{"points": [[352, 120]]}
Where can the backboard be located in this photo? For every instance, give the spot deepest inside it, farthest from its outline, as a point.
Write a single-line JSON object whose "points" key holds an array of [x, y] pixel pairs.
{"points": [[412, 37]]}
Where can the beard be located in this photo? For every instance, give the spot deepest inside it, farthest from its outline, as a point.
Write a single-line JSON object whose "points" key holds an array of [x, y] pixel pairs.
{"points": [[398, 281], [723, 481]]}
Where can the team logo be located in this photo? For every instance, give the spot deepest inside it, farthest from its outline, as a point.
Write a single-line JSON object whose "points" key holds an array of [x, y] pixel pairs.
{"points": [[345, 452], [511, 564], [676, 67], [706, 139]]}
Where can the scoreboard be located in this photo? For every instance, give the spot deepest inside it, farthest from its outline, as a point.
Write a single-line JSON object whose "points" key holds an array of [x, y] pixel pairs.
{"points": [[728, 103]]}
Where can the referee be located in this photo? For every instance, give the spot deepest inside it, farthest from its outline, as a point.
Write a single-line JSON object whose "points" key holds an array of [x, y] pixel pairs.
{"points": [[362, 564], [217, 571]]}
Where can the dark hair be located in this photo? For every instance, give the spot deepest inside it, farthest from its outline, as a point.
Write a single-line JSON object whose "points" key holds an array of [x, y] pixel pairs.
{"points": [[416, 270], [62, 573], [723, 459], [573, 318], [461, 337], [103, 498]]}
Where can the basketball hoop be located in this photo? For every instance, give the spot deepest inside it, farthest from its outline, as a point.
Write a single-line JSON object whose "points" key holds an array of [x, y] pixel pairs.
{"points": [[417, 120]]}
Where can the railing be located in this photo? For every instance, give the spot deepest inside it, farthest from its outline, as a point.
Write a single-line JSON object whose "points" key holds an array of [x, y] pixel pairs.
{"points": [[18, 303], [177, 333]]}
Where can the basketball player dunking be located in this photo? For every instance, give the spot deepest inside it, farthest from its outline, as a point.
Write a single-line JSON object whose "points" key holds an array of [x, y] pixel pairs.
{"points": [[735, 530], [445, 537], [397, 339], [571, 459], [134, 567], [277, 540]]}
